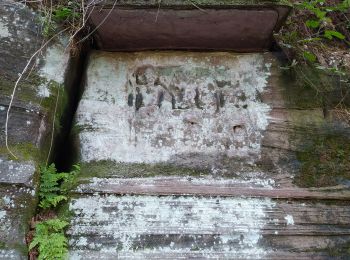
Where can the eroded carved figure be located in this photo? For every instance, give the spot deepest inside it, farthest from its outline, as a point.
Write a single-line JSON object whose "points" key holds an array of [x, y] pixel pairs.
{"points": [[189, 108]]}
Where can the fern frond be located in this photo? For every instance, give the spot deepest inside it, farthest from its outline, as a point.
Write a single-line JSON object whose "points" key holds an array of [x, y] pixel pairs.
{"points": [[54, 186], [50, 240]]}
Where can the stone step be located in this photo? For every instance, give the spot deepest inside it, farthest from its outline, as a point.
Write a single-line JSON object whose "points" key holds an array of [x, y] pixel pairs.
{"points": [[176, 185], [276, 255], [182, 227]]}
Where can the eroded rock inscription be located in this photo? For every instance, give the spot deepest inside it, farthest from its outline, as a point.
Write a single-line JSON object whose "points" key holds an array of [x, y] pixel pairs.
{"points": [[153, 107], [173, 88]]}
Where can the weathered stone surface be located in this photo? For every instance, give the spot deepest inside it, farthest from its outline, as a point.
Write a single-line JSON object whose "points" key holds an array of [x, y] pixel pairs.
{"points": [[223, 106], [150, 227], [180, 3], [36, 92], [300, 120], [138, 227], [30, 119], [10, 254], [148, 25], [17, 205], [206, 186], [158, 125], [212, 111], [171, 107], [16, 172]]}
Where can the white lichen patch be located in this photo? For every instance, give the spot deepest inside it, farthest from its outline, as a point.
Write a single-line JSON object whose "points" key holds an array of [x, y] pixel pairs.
{"points": [[56, 62], [2, 214], [16, 172], [10, 254], [4, 31], [170, 106], [43, 91], [137, 226], [55, 66], [14, 208], [289, 219]]}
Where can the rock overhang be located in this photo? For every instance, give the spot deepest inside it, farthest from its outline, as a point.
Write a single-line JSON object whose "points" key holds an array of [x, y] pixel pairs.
{"points": [[242, 26]]}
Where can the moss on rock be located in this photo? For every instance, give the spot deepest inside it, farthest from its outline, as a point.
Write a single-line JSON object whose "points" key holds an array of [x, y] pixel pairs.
{"points": [[107, 168], [325, 161]]}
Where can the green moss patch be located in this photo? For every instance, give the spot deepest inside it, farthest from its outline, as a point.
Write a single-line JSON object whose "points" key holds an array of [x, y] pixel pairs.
{"points": [[24, 152], [2, 245], [109, 168], [342, 250], [305, 87], [324, 162], [26, 90]]}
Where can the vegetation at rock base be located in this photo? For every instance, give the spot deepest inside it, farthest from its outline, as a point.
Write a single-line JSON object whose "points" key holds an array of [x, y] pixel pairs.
{"points": [[59, 13], [315, 29], [66, 13], [316, 40], [54, 186], [50, 240]]}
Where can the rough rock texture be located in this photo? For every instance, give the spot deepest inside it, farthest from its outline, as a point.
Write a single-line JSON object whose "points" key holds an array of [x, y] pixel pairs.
{"points": [[179, 3], [171, 107], [30, 120], [143, 25], [169, 227], [209, 146]]}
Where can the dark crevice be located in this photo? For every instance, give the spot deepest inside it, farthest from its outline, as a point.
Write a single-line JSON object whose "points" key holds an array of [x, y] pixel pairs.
{"points": [[64, 152]]}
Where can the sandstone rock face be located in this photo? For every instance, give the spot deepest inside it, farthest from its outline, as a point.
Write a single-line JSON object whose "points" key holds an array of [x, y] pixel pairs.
{"points": [[169, 227], [30, 118], [206, 147], [205, 25], [184, 155], [173, 107]]}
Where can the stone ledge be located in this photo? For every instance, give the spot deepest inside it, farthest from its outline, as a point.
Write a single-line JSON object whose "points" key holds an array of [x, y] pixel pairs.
{"points": [[255, 188], [188, 4], [224, 25]]}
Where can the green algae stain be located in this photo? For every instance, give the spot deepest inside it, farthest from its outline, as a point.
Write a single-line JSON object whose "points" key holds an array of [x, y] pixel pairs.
{"points": [[23, 151], [26, 89], [322, 145], [300, 93], [324, 162], [2, 245], [108, 168], [341, 251]]}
